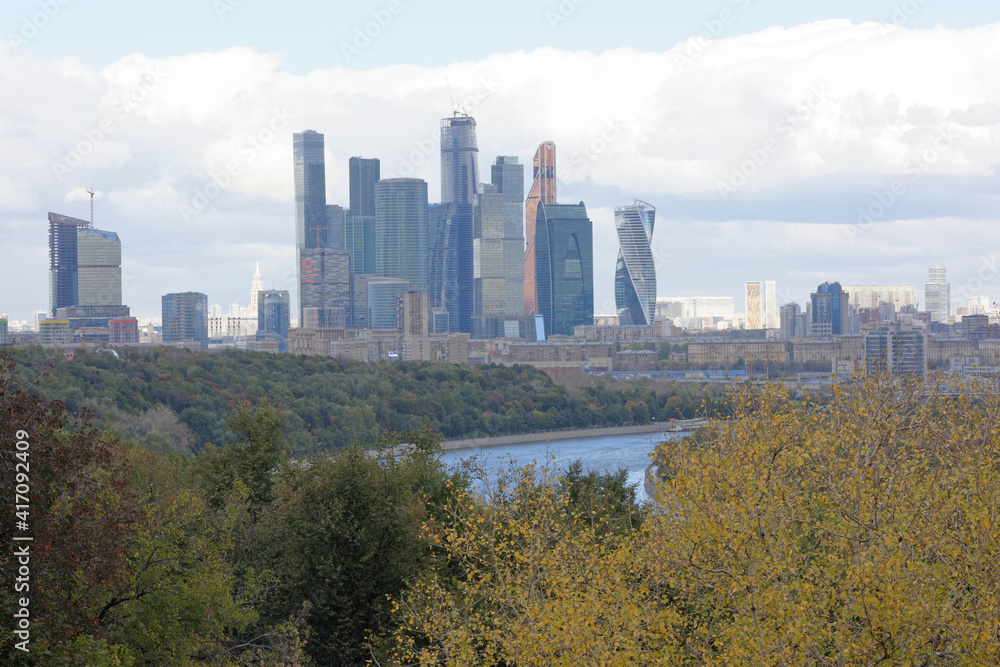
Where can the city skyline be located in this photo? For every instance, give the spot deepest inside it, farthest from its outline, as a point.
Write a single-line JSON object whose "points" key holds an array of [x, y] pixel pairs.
{"points": [[850, 175]]}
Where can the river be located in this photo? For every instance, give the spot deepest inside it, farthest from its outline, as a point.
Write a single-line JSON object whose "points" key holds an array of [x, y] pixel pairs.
{"points": [[602, 454]]}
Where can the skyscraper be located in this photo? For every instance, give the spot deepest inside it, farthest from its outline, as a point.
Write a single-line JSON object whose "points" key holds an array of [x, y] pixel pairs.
{"points": [[84, 264], [762, 309], [564, 267], [937, 294], [401, 248], [460, 186], [635, 274], [273, 316], [185, 317], [324, 264], [359, 223], [364, 174], [459, 160], [830, 311], [442, 259], [498, 250], [543, 191], [311, 225]]}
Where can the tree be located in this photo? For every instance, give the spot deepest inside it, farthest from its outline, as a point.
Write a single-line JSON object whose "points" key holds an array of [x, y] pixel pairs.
{"points": [[860, 532], [70, 477], [260, 448]]}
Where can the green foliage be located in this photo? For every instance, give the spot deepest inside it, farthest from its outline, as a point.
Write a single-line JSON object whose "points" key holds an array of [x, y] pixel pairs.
{"points": [[330, 403], [253, 459], [344, 536], [601, 499]]}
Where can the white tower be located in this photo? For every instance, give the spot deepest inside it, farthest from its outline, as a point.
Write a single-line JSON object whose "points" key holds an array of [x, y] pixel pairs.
{"points": [[257, 285]]}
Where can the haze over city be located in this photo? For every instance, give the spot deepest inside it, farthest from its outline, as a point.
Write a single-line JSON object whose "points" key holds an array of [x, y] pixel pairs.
{"points": [[850, 142]]}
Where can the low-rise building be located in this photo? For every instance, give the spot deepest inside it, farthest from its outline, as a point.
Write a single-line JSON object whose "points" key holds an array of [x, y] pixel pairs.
{"points": [[728, 353]]}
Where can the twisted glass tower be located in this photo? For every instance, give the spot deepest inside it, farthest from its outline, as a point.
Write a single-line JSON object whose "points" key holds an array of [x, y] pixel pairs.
{"points": [[635, 275]]}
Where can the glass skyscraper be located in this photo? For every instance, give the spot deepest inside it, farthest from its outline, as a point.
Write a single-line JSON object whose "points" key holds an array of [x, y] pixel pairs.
{"points": [[320, 231], [635, 274], [543, 191], [830, 311], [460, 186], [401, 248], [359, 223], [564, 267], [442, 258], [185, 317], [85, 264], [273, 312], [364, 173], [498, 249], [937, 294]]}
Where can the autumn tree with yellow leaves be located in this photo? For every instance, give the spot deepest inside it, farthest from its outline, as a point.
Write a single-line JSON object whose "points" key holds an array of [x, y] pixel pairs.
{"points": [[864, 532]]}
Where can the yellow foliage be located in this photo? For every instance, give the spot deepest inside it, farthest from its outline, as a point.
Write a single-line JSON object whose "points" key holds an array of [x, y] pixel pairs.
{"points": [[862, 533]]}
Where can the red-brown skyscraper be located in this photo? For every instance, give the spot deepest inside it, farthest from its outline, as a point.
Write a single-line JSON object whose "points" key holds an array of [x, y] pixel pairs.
{"points": [[543, 190]]}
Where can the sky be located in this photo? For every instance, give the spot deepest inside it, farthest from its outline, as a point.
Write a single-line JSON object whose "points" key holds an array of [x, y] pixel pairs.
{"points": [[799, 142]]}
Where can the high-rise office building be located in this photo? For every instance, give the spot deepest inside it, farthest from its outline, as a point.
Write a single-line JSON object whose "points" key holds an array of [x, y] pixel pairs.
{"points": [[830, 311], [459, 160], [383, 302], [762, 305], [359, 221], [185, 317], [324, 282], [937, 294], [84, 264], [793, 322], [564, 267], [401, 248], [898, 349], [635, 273], [442, 261], [364, 173], [498, 251], [312, 228], [273, 313], [543, 191], [323, 261], [460, 186]]}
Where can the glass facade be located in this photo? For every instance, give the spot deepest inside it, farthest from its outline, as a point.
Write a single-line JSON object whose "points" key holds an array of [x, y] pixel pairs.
{"points": [[442, 258], [564, 267], [383, 302], [937, 294], [324, 279], [401, 248], [311, 226], [99, 268], [459, 160], [273, 313], [84, 264], [364, 174], [830, 310], [543, 191], [359, 240], [185, 317], [635, 274]]}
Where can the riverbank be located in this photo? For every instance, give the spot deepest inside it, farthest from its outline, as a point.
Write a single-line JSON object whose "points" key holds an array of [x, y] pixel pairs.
{"points": [[554, 436]]}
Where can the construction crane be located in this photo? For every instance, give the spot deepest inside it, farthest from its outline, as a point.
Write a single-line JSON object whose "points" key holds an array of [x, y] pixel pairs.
{"points": [[91, 193]]}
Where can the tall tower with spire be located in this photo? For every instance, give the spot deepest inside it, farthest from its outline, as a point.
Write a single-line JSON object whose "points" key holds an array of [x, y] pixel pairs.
{"points": [[255, 287]]}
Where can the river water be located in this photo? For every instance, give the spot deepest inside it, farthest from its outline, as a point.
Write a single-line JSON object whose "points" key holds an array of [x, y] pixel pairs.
{"points": [[604, 454]]}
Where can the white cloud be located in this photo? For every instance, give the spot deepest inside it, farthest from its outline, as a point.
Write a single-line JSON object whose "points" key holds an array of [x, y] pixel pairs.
{"points": [[839, 104]]}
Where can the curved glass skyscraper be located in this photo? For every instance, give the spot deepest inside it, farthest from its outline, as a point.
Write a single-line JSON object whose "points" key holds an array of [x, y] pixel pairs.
{"points": [[635, 275], [543, 191]]}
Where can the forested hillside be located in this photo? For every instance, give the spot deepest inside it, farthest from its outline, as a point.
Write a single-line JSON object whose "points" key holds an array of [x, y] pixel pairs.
{"points": [[175, 400]]}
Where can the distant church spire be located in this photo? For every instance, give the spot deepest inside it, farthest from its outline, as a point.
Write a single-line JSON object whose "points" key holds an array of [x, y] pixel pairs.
{"points": [[256, 286]]}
